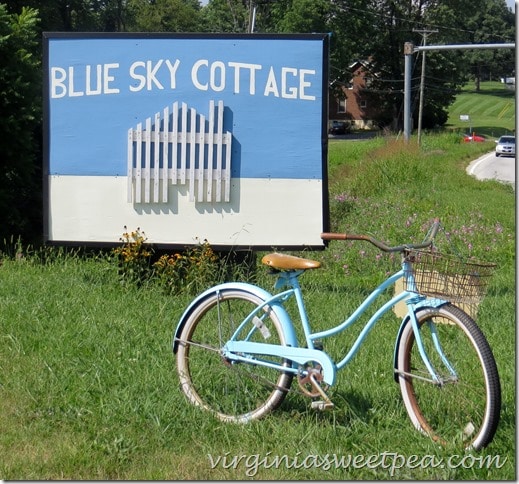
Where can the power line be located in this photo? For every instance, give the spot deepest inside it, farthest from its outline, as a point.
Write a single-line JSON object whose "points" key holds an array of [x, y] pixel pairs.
{"points": [[415, 22]]}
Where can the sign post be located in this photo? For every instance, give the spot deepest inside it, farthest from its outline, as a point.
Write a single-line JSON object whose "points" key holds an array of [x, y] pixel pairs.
{"points": [[466, 118]]}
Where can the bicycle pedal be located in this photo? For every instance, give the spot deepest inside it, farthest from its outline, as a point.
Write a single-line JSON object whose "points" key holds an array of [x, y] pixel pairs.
{"points": [[322, 405]]}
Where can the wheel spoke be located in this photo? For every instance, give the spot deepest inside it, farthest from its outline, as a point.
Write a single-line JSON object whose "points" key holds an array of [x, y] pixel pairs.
{"points": [[464, 407], [234, 391]]}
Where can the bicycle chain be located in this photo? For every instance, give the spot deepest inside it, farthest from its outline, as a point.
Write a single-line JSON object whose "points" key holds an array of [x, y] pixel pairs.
{"points": [[248, 373]]}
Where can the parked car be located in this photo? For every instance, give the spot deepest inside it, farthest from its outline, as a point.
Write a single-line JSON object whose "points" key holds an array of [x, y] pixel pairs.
{"points": [[477, 138], [338, 127], [505, 146]]}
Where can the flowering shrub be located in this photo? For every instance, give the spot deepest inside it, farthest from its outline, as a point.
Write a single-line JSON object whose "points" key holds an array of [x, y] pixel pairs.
{"points": [[133, 256], [192, 271]]}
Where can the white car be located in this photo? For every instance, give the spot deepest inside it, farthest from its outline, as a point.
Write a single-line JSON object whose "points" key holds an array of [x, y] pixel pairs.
{"points": [[505, 146]]}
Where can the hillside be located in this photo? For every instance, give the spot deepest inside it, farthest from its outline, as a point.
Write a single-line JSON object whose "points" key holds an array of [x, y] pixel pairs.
{"points": [[491, 110]]}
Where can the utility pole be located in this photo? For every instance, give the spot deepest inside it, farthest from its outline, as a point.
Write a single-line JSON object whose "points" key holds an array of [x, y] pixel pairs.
{"points": [[410, 49], [425, 34]]}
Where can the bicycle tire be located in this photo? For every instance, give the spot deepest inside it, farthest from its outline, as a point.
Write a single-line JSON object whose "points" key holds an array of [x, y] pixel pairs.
{"points": [[465, 412], [234, 392]]}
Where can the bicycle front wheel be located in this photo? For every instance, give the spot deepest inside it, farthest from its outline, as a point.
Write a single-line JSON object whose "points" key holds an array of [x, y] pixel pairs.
{"points": [[234, 391], [463, 409]]}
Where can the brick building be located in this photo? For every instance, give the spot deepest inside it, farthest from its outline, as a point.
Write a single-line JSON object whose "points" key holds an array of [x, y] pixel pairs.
{"points": [[347, 102]]}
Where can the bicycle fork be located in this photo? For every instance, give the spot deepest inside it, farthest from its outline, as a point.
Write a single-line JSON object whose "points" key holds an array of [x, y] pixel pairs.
{"points": [[413, 305]]}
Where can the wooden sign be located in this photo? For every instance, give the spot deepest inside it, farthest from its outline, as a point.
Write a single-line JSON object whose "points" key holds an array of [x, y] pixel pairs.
{"points": [[188, 137]]}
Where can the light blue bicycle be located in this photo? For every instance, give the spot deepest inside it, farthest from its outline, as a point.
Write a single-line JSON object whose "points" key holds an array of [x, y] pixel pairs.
{"points": [[238, 352]]}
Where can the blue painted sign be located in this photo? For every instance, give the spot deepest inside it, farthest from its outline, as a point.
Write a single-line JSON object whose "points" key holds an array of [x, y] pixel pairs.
{"points": [[167, 113]]}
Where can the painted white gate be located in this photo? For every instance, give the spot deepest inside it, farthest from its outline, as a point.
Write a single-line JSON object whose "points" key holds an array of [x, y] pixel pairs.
{"points": [[180, 149]]}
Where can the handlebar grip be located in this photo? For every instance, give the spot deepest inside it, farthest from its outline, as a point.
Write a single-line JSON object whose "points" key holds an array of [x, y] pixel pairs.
{"points": [[367, 238], [332, 236]]}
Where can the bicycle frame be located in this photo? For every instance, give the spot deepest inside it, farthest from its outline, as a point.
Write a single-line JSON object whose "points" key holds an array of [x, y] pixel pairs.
{"points": [[241, 350], [239, 347]]}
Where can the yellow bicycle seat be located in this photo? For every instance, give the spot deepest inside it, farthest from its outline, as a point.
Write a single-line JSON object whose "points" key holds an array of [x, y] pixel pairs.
{"points": [[289, 262]]}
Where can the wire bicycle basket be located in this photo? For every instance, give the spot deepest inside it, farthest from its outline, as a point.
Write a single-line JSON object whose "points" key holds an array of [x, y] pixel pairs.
{"points": [[448, 277]]}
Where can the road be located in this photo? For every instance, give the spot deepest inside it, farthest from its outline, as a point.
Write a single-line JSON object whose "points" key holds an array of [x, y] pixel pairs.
{"points": [[490, 166]]}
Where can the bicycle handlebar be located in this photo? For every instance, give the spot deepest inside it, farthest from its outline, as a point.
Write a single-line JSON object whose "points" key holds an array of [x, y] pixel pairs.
{"points": [[377, 243]]}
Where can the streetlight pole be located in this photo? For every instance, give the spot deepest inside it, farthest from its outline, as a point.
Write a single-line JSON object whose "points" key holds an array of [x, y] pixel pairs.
{"points": [[408, 53]]}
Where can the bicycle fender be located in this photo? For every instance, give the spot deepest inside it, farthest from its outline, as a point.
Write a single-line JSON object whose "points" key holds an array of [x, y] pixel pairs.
{"points": [[426, 303], [279, 310]]}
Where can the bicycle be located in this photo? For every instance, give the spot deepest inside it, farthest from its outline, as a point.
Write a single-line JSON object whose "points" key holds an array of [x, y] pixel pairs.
{"points": [[237, 351]]}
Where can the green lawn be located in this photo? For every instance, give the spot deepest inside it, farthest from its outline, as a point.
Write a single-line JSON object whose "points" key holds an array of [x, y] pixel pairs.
{"points": [[491, 111]]}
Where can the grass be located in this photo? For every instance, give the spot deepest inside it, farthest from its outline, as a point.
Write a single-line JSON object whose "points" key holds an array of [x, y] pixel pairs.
{"points": [[87, 377], [491, 111]]}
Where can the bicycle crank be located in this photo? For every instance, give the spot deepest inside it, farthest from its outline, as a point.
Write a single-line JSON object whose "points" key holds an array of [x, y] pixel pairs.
{"points": [[311, 385]]}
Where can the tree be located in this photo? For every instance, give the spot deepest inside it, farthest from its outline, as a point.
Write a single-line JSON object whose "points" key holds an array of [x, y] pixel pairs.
{"points": [[306, 16], [164, 15], [20, 124], [400, 21], [64, 15], [230, 16], [492, 23]]}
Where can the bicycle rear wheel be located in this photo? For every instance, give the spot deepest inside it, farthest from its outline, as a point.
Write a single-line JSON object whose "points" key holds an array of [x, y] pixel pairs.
{"points": [[235, 392], [463, 410]]}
